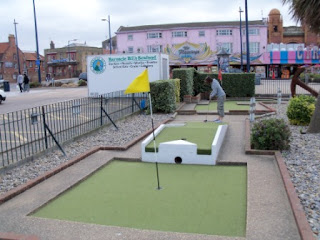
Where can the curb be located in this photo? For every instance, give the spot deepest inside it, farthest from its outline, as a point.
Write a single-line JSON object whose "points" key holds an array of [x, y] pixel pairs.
{"points": [[296, 207]]}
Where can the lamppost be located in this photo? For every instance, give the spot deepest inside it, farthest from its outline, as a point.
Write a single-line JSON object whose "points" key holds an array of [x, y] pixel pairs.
{"points": [[15, 29], [247, 37], [38, 58], [110, 40], [241, 60], [72, 40]]}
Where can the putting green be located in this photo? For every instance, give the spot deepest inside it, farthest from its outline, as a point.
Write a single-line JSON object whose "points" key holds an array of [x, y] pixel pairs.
{"points": [[228, 105], [194, 199], [200, 133]]}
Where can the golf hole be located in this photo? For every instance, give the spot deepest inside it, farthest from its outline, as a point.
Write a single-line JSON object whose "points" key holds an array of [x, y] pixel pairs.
{"points": [[178, 160]]}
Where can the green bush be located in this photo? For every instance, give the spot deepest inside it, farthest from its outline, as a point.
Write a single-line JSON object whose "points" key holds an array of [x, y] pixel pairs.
{"points": [[163, 96], [186, 80], [301, 109], [82, 82], [270, 134], [177, 89], [234, 84], [34, 84]]}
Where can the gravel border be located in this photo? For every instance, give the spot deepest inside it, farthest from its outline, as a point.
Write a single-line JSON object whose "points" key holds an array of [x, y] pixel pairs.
{"points": [[303, 163], [129, 129]]}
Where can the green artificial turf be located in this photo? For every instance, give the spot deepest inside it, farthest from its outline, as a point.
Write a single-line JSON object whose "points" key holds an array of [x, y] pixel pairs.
{"points": [[194, 198], [228, 105], [200, 133]]}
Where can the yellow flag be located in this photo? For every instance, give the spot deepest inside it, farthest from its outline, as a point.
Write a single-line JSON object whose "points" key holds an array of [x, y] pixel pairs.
{"points": [[139, 84]]}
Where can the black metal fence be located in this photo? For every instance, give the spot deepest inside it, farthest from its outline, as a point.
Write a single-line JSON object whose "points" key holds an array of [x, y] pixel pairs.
{"points": [[270, 87], [27, 132]]}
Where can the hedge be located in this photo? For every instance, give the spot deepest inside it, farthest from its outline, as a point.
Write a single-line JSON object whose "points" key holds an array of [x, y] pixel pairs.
{"points": [[186, 80], [163, 95], [234, 84]]}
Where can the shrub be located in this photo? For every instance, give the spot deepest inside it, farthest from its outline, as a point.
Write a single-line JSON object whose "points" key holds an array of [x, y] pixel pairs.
{"points": [[34, 84], [301, 109], [177, 89], [270, 134], [163, 96], [186, 80], [82, 82]]}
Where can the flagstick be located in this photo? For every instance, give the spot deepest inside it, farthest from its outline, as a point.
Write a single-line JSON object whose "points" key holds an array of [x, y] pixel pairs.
{"points": [[154, 142]]}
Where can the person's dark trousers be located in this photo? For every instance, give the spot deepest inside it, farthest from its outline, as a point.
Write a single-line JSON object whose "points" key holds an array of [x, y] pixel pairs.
{"points": [[20, 86]]}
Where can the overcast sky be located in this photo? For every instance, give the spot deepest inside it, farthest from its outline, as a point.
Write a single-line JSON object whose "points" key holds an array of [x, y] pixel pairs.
{"points": [[63, 20]]}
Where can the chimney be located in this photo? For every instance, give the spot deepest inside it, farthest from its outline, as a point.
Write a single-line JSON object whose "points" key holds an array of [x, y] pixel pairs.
{"points": [[51, 45], [12, 40]]}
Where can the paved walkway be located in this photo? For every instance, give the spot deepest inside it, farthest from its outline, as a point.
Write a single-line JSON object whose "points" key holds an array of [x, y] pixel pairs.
{"points": [[269, 215]]}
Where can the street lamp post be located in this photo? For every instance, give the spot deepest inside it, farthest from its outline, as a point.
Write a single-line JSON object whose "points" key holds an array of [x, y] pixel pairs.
{"points": [[247, 37], [69, 55], [110, 40], [15, 29], [38, 58], [241, 60]]}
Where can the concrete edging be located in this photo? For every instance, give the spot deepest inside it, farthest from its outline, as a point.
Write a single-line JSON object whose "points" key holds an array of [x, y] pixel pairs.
{"points": [[297, 209]]}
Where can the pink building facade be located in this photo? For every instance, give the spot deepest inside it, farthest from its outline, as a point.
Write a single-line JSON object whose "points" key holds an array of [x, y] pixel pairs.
{"points": [[196, 44]]}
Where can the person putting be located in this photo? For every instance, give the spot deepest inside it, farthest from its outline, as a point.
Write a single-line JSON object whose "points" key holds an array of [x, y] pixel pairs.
{"points": [[220, 94]]}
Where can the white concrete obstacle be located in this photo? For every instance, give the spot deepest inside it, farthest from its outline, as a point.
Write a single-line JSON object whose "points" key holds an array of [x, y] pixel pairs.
{"points": [[182, 151]]}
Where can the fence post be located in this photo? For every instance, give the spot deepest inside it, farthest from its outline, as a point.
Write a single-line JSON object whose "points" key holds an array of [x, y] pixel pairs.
{"points": [[132, 103], [44, 127], [101, 109]]}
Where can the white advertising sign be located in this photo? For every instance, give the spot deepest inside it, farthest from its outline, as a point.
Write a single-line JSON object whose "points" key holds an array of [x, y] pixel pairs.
{"points": [[109, 73]]}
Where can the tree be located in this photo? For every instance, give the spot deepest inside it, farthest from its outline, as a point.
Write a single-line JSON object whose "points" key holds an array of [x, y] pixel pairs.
{"points": [[306, 11]]}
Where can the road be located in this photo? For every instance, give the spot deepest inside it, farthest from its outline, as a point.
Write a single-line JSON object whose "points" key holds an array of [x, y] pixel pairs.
{"points": [[39, 96]]}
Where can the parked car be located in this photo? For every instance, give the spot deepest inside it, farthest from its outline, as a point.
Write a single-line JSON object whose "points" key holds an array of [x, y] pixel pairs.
{"points": [[2, 96], [83, 76]]}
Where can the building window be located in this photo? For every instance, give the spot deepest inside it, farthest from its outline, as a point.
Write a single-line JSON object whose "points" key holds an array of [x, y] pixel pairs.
{"points": [[154, 35], [130, 37], [30, 64], [275, 28], [252, 31], [226, 46], [202, 33], [154, 48], [179, 34], [224, 32], [14, 56], [254, 47], [130, 49]]}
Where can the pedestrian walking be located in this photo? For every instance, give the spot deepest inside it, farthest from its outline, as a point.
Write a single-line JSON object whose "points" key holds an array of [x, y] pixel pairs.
{"points": [[20, 82], [26, 81]]}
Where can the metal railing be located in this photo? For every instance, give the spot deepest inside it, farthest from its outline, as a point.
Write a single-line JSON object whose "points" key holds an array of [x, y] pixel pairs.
{"points": [[27, 132], [269, 87]]}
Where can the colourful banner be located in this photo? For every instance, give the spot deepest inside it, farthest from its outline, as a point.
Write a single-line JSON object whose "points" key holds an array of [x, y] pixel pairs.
{"points": [[200, 54]]}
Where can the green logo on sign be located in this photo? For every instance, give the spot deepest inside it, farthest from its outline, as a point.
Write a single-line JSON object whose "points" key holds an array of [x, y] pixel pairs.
{"points": [[98, 65]]}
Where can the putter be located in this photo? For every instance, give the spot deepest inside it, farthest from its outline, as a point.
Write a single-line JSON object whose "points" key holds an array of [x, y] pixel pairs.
{"points": [[207, 112]]}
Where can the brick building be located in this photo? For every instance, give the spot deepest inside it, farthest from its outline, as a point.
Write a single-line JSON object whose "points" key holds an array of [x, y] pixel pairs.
{"points": [[68, 61], [9, 66], [277, 33]]}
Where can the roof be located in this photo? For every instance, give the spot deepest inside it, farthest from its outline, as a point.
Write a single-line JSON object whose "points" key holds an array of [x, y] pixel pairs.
{"points": [[293, 31], [3, 47], [32, 56], [185, 25], [274, 12]]}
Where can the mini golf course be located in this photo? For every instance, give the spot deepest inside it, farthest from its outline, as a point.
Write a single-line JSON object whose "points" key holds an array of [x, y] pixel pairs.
{"points": [[186, 143], [194, 198], [228, 105]]}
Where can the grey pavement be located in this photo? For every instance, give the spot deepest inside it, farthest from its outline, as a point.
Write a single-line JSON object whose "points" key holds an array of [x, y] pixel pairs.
{"points": [[269, 215]]}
